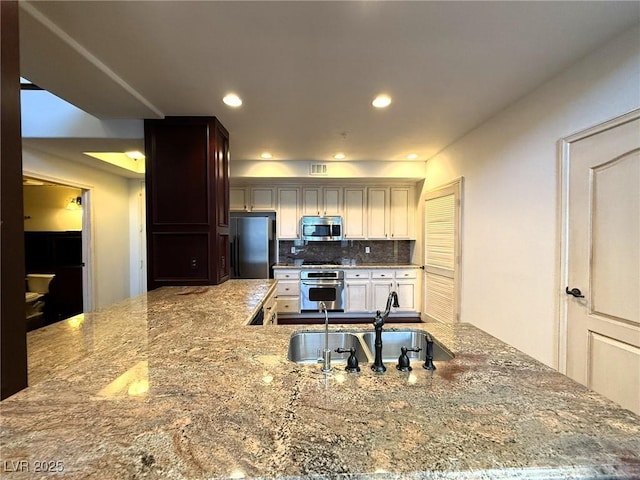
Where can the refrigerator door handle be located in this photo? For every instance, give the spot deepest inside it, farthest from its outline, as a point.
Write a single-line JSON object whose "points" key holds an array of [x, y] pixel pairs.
{"points": [[233, 256], [237, 256]]}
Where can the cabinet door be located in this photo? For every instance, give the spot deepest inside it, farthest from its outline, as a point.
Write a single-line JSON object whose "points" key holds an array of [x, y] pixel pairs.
{"points": [[220, 156], [380, 290], [311, 201], [288, 216], [401, 218], [357, 296], [262, 198], [239, 198], [288, 290], [332, 200], [355, 213], [408, 294], [223, 271], [378, 213], [187, 164]]}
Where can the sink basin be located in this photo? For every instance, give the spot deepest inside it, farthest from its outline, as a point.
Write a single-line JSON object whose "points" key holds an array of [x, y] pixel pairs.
{"points": [[393, 341], [307, 346]]}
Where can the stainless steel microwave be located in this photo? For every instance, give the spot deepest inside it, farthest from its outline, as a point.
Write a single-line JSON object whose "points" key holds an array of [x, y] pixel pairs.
{"points": [[316, 229]]}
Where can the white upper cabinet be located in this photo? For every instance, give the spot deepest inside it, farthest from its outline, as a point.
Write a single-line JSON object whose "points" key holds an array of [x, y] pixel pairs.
{"points": [[288, 216], [322, 201], [391, 213], [355, 213], [311, 203], [249, 199], [378, 213], [332, 197], [402, 213], [262, 198], [239, 198], [370, 213]]}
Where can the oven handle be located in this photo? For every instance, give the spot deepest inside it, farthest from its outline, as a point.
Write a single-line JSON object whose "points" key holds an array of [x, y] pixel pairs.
{"points": [[323, 283]]}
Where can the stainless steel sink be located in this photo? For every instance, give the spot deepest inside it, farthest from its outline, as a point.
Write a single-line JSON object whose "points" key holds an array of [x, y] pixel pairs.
{"points": [[393, 341], [307, 346]]}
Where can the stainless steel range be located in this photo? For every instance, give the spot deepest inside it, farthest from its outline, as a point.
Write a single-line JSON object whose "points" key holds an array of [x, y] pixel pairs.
{"points": [[322, 285]]}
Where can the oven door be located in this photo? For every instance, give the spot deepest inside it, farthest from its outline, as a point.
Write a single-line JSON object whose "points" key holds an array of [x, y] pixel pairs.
{"points": [[331, 292]]}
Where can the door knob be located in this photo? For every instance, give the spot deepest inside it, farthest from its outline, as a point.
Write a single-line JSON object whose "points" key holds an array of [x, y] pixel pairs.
{"points": [[574, 291]]}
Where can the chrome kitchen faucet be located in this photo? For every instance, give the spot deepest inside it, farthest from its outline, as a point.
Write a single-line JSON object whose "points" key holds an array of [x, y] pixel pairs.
{"points": [[326, 353]]}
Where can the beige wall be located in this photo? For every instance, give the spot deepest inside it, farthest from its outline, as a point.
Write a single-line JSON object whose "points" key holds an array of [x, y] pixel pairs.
{"points": [[45, 209], [109, 208], [510, 257]]}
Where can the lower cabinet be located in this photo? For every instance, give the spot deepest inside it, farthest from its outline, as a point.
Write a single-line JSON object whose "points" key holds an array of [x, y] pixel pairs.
{"points": [[288, 290], [407, 285], [368, 291], [357, 286], [365, 290], [270, 310], [381, 286]]}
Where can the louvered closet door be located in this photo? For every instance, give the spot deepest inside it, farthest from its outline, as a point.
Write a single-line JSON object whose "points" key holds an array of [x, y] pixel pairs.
{"points": [[442, 253]]}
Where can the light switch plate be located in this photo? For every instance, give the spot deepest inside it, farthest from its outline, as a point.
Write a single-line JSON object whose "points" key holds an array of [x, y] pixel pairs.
{"points": [[367, 249]]}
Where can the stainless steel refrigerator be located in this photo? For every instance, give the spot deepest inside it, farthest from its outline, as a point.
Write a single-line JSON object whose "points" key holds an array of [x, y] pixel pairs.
{"points": [[252, 245]]}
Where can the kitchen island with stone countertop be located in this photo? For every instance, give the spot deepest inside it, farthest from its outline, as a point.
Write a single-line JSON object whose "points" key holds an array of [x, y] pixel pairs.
{"points": [[173, 384]]}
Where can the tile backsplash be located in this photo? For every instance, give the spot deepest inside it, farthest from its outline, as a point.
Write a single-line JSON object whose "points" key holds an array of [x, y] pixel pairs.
{"points": [[381, 251]]}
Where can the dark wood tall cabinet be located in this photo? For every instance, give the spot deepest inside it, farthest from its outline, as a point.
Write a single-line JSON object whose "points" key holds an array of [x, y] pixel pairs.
{"points": [[187, 190]]}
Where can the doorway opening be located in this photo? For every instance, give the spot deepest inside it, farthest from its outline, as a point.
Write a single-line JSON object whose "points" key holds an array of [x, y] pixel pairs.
{"points": [[57, 255]]}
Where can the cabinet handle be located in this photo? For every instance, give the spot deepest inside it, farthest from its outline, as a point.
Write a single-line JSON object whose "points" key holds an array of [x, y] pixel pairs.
{"points": [[574, 291]]}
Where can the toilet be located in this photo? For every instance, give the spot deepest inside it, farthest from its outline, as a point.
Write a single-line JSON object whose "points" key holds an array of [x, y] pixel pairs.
{"points": [[37, 286]]}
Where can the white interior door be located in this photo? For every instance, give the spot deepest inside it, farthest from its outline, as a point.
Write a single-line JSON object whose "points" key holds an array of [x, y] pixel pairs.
{"points": [[603, 260], [442, 252]]}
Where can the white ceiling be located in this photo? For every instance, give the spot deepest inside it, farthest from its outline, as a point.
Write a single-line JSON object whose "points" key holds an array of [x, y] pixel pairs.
{"points": [[307, 71]]}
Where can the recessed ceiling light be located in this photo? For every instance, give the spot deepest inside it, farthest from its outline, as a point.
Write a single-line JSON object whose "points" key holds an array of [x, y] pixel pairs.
{"points": [[266, 155], [412, 156], [381, 101], [339, 156], [232, 100]]}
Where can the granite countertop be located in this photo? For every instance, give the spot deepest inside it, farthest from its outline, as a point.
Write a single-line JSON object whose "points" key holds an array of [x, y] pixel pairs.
{"points": [[172, 385]]}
